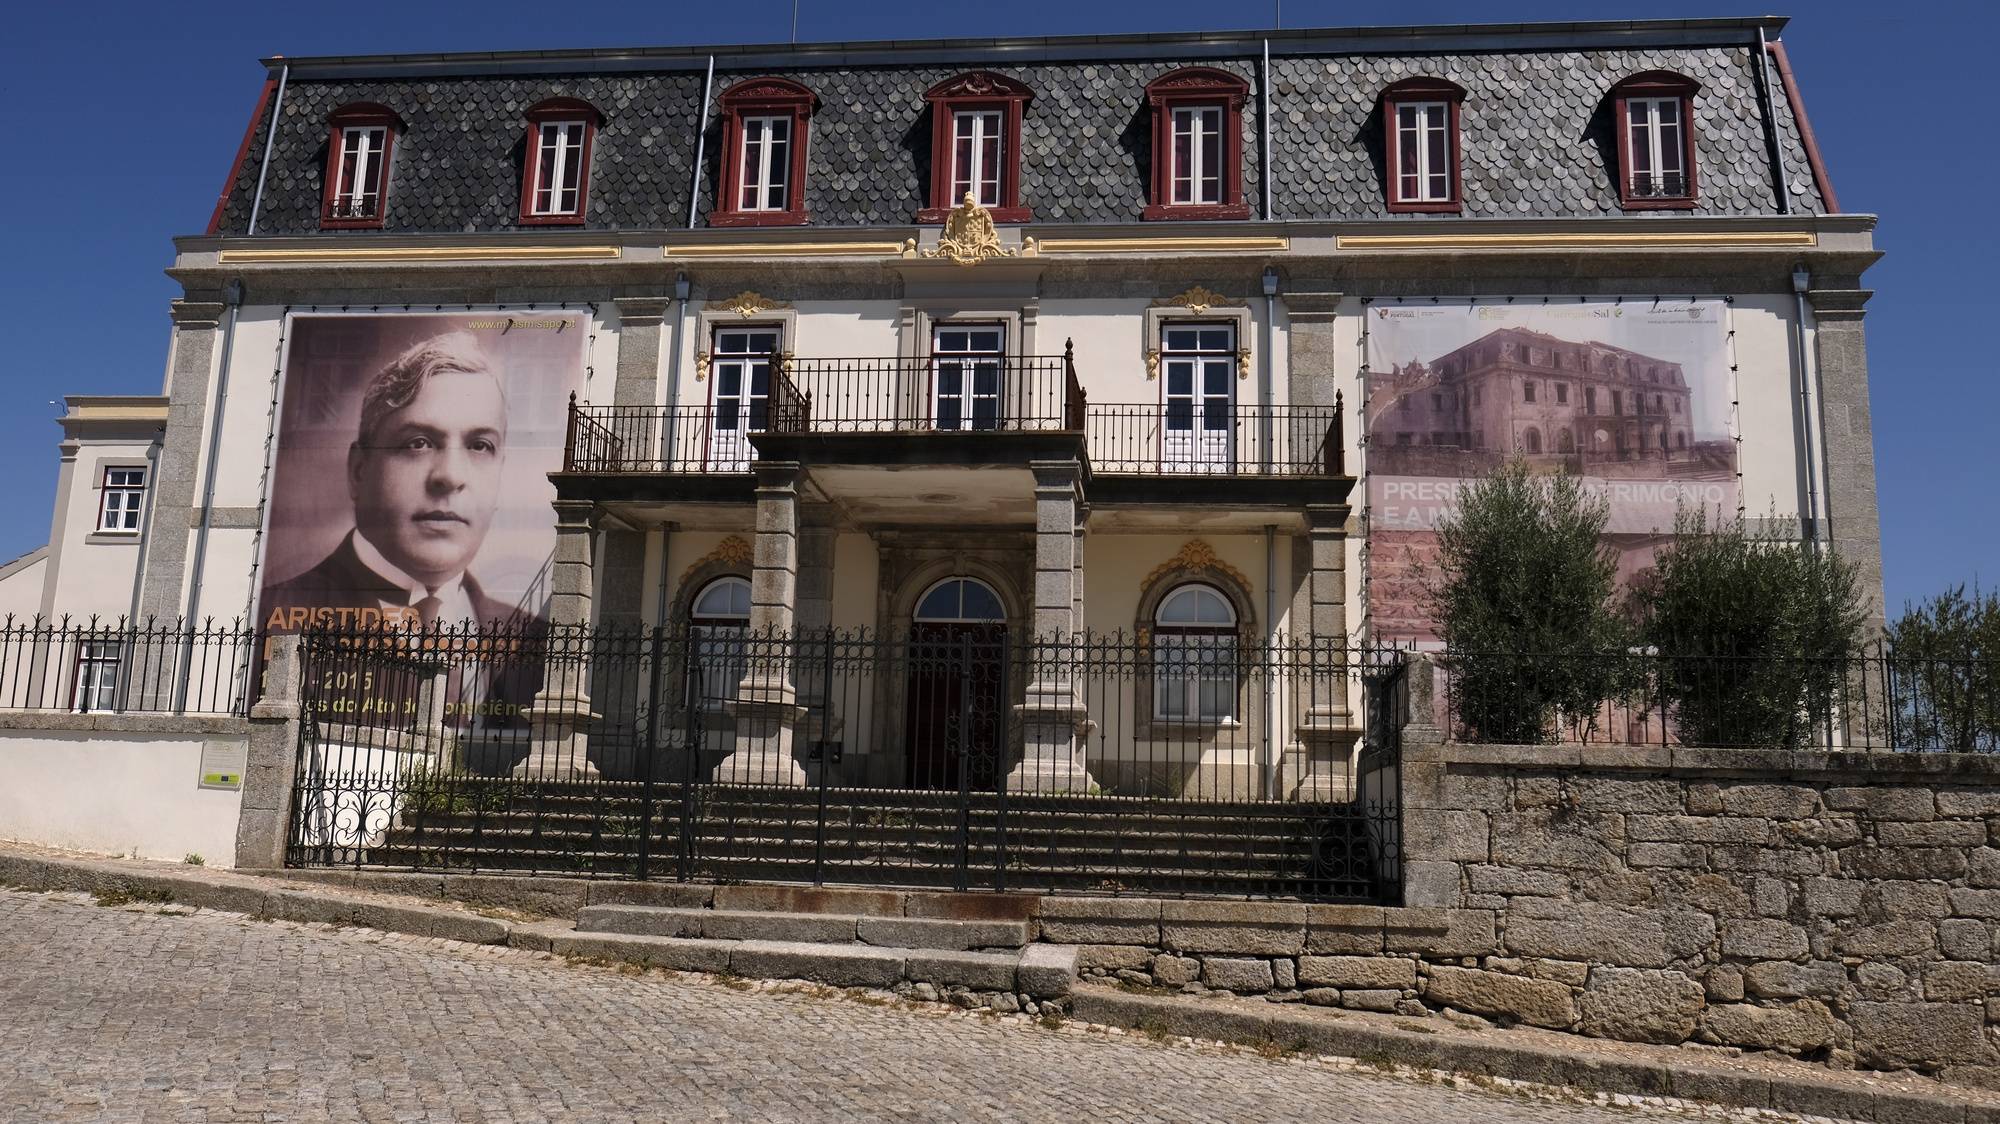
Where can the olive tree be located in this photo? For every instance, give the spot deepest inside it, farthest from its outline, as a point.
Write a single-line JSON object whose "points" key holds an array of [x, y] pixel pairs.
{"points": [[1524, 594]]}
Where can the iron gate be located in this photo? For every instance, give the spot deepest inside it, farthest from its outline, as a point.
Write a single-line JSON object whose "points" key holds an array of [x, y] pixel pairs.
{"points": [[950, 758]]}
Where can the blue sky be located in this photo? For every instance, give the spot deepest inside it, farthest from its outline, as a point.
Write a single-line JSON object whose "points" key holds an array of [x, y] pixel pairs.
{"points": [[127, 116]]}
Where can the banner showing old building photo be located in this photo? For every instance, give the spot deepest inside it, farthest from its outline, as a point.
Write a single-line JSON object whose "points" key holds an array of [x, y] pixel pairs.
{"points": [[410, 482], [1633, 396]]}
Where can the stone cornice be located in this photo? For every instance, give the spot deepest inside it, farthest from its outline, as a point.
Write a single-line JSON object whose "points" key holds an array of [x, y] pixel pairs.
{"points": [[1830, 305], [195, 315], [641, 311]]}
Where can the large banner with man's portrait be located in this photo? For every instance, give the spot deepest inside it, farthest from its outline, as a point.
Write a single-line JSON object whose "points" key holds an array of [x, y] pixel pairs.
{"points": [[410, 483], [1632, 396]]}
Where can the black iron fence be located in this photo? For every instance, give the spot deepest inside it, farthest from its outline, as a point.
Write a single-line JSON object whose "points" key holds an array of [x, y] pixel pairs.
{"points": [[954, 758], [118, 666], [1214, 438], [1880, 700]]}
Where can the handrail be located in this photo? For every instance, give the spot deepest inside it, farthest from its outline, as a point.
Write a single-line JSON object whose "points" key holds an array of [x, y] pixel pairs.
{"points": [[1202, 439]]}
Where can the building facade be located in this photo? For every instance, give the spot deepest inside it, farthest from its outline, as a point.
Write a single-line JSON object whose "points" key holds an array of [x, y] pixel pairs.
{"points": [[1041, 339]]}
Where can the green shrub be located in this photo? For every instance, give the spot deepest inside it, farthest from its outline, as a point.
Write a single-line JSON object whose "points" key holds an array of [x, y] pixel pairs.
{"points": [[1943, 675], [1754, 635], [1524, 594]]}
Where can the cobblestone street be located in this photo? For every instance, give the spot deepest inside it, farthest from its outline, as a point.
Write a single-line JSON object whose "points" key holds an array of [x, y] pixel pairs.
{"points": [[129, 1014]]}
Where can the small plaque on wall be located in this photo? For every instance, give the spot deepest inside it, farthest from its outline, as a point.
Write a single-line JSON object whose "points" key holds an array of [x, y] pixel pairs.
{"points": [[223, 762]]}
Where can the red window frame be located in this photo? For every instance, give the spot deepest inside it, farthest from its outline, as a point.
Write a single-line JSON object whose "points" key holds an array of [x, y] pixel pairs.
{"points": [[1413, 90], [1196, 87], [972, 92], [542, 113], [358, 115], [1656, 84], [762, 97]]}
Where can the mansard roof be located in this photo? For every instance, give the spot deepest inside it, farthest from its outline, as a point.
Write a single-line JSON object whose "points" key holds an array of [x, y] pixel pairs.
{"points": [[1539, 138]]}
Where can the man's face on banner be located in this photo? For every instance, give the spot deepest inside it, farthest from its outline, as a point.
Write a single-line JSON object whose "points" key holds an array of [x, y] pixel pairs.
{"points": [[428, 480]]}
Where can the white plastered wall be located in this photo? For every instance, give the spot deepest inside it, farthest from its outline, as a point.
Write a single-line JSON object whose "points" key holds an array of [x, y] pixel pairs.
{"points": [[93, 571], [115, 793]]}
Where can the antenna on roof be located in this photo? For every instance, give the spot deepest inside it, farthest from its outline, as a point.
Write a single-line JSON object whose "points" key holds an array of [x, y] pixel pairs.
{"points": [[1277, 14], [795, 21]]}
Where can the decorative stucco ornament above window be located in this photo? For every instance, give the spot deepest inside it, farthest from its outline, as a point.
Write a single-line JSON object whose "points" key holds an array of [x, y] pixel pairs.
{"points": [[970, 237], [732, 552], [749, 303], [1196, 557], [1198, 301]]}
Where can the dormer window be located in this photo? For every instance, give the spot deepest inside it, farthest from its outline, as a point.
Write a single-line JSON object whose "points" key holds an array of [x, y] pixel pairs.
{"points": [[976, 145], [1420, 145], [764, 123], [1656, 167], [555, 174], [1197, 145], [358, 148]]}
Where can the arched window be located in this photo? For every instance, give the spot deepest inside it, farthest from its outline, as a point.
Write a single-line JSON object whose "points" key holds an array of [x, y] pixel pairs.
{"points": [[1420, 144], [1194, 656], [1532, 439], [976, 145], [1681, 440], [720, 622], [1197, 145], [1565, 441], [358, 149], [1655, 140], [555, 173], [764, 122], [956, 600]]}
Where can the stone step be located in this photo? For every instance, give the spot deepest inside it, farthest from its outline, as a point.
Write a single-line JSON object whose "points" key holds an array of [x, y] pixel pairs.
{"points": [[1041, 971], [1268, 856], [1219, 882], [981, 821], [819, 928]]}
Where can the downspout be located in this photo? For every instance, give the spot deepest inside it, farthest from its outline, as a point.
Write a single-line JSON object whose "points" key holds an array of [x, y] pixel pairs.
{"points": [[271, 134], [1770, 109], [1265, 429], [700, 144], [674, 368], [1808, 414], [666, 452], [1270, 658], [232, 297], [145, 525], [1264, 130]]}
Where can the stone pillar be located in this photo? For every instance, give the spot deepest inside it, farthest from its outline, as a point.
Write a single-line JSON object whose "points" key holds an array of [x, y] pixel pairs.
{"points": [[560, 715], [817, 532], [1318, 763], [639, 320], [1054, 719], [766, 707], [1313, 351], [1848, 455], [175, 491], [263, 820]]}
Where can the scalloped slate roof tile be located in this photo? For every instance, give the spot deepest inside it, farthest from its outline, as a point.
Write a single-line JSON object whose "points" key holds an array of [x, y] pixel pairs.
{"points": [[1537, 133]]}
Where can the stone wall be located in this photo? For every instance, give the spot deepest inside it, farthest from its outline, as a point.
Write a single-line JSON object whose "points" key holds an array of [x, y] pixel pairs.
{"points": [[1835, 906]]}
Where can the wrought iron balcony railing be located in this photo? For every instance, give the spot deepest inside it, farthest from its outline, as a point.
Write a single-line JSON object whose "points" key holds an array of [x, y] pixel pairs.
{"points": [[1214, 439], [896, 395], [936, 393]]}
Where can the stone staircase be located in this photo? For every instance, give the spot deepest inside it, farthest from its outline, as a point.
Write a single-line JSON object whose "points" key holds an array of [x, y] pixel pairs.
{"points": [[891, 838], [839, 938]]}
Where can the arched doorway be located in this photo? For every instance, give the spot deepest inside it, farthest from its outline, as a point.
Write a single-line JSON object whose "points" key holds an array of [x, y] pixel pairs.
{"points": [[955, 714]]}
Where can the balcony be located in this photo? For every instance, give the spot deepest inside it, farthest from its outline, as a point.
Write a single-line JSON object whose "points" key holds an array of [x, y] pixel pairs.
{"points": [[1214, 439], [895, 440]]}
